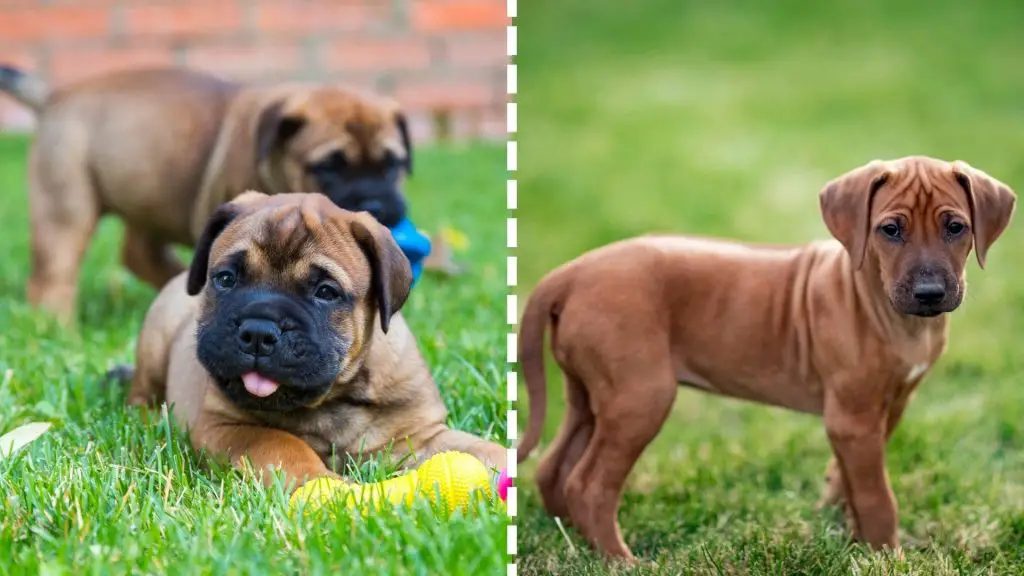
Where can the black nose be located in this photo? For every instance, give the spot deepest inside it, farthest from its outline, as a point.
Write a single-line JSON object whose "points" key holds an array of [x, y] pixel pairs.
{"points": [[258, 337], [929, 292]]}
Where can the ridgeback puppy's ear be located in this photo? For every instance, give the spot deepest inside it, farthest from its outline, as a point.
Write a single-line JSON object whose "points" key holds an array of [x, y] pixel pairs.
{"points": [[991, 202], [218, 221], [392, 273], [274, 128], [845, 204], [403, 130]]}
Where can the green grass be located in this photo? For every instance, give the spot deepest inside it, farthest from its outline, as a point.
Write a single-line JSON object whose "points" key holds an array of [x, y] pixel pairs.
{"points": [[725, 118], [103, 493]]}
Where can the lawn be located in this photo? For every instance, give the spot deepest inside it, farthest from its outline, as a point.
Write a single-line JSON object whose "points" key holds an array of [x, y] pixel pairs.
{"points": [[102, 493], [725, 118]]}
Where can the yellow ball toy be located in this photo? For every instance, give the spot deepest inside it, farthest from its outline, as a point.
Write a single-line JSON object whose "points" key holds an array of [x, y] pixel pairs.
{"points": [[451, 477]]}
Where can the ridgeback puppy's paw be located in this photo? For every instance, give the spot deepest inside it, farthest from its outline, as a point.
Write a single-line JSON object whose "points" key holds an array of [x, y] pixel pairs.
{"points": [[631, 564]]}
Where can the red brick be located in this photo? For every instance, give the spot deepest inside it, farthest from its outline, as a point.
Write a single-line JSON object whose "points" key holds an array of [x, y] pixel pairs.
{"points": [[421, 126], [449, 15], [438, 94], [186, 18], [246, 61], [72, 65], [53, 23], [317, 15], [489, 49], [364, 83], [377, 55]]}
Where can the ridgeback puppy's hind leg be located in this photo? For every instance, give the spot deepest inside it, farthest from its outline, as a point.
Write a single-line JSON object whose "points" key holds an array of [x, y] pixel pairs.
{"points": [[64, 212], [635, 400], [149, 259], [566, 450]]}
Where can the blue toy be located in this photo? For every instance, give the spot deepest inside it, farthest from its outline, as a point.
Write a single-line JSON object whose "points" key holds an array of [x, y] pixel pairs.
{"points": [[415, 245]]}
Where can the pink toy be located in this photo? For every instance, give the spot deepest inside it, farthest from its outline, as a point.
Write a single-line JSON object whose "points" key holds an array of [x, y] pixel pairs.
{"points": [[503, 483]]}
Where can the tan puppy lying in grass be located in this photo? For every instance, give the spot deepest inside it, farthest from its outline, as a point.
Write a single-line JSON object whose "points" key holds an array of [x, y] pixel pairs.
{"points": [[283, 345]]}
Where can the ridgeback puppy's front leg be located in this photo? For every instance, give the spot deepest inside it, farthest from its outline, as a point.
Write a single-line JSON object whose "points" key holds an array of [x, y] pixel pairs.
{"points": [[857, 433], [266, 450], [834, 493]]}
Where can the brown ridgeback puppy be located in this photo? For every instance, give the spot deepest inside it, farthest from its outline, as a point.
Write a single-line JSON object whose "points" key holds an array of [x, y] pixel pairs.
{"points": [[285, 346], [841, 329], [162, 148]]}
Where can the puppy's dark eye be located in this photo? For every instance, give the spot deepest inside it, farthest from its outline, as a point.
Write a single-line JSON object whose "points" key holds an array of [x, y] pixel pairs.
{"points": [[225, 280], [327, 293], [955, 228], [891, 230]]}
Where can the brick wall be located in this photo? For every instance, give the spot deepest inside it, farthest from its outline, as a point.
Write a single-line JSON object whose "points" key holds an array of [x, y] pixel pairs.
{"points": [[444, 60]]}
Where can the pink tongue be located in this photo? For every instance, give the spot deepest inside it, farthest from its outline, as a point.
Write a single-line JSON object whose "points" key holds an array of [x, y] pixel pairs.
{"points": [[258, 385]]}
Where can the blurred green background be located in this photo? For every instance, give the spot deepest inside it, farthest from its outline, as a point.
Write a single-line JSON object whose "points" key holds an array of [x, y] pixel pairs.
{"points": [[726, 118]]}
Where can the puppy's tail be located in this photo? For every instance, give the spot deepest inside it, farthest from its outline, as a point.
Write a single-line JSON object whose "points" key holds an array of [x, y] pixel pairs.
{"points": [[541, 309], [26, 88]]}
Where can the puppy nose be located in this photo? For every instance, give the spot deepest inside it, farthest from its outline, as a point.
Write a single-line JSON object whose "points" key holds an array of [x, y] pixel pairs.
{"points": [[258, 337], [929, 292]]}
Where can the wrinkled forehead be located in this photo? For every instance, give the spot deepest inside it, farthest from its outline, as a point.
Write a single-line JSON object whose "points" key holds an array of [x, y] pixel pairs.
{"points": [[919, 188], [289, 244], [362, 129]]}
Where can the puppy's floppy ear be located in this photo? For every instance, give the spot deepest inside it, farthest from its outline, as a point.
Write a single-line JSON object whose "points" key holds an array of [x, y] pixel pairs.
{"points": [[392, 273], [403, 130], [991, 202], [274, 128], [845, 204], [218, 221]]}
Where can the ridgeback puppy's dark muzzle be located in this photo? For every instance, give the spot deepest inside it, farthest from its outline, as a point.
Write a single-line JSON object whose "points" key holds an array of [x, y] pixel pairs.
{"points": [[928, 290]]}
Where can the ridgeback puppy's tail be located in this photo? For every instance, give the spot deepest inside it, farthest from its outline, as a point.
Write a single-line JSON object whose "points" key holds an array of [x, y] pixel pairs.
{"points": [[26, 88], [541, 309]]}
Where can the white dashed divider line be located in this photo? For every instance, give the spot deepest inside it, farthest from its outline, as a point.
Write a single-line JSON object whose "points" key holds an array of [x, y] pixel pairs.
{"points": [[512, 79], [511, 351], [513, 194], [512, 116], [513, 240], [513, 307], [511, 278], [513, 38]]}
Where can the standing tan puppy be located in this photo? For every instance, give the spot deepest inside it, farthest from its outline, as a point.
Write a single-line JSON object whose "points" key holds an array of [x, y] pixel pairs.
{"points": [[283, 345], [842, 329], [162, 148]]}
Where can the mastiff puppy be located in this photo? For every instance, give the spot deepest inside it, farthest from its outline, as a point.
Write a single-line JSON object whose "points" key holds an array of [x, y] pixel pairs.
{"points": [[844, 329], [283, 344], [162, 148]]}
